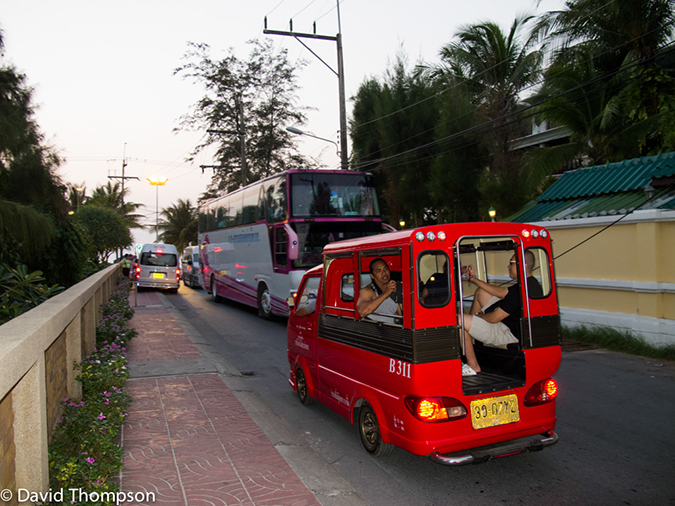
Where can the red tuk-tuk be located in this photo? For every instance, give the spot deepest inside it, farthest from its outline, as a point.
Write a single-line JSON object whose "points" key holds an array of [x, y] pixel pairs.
{"points": [[400, 379]]}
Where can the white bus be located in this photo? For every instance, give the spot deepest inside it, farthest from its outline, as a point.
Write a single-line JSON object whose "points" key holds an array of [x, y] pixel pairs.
{"points": [[257, 242]]}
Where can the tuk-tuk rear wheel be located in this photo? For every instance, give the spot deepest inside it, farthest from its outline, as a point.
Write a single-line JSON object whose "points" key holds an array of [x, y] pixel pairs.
{"points": [[369, 430]]}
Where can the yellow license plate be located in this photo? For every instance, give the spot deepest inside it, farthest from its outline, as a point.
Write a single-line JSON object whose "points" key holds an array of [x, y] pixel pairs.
{"points": [[494, 411], [157, 275]]}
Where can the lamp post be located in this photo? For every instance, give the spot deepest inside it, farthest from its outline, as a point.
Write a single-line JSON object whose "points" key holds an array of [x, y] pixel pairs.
{"points": [[297, 131], [157, 184], [78, 192], [492, 212]]}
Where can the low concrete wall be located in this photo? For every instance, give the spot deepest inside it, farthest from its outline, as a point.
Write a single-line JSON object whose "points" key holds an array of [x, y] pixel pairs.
{"points": [[37, 351]]}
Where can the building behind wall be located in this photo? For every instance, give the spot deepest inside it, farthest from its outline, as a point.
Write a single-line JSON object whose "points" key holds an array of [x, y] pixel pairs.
{"points": [[623, 277]]}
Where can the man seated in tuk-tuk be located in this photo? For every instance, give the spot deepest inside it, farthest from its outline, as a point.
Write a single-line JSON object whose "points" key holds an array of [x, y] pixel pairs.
{"points": [[495, 311], [380, 296]]}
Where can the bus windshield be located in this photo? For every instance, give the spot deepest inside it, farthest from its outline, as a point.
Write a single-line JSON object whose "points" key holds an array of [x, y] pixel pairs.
{"points": [[313, 236], [315, 194]]}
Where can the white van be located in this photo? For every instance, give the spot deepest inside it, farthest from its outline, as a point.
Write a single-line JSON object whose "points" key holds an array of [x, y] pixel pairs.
{"points": [[158, 267], [190, 266]]}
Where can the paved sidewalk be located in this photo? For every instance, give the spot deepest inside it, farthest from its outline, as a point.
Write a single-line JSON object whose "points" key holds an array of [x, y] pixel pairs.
{"points": [[187, 438]]}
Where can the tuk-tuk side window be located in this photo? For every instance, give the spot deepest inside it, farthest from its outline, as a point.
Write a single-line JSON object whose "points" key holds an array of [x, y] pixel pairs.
{"points": [[308, 295], [347, 288], [540, 272], [433, 279], [391, 309]]}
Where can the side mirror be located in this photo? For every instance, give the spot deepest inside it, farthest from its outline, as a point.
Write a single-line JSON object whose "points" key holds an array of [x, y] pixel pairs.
{"points": [[290, 301]]}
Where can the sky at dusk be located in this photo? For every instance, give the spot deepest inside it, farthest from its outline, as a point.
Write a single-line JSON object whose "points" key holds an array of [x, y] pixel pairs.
{"points": [[104, 83]]}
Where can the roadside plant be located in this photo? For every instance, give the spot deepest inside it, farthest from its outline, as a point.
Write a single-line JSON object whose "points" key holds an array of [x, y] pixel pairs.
{"points": [[84, 453], [21, 290]]}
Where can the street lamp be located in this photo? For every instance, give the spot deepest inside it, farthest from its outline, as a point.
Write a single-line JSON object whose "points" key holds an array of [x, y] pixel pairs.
{"points": [[492, 212], [401, 223], [297, 131], [157, 184], [79, 196]]}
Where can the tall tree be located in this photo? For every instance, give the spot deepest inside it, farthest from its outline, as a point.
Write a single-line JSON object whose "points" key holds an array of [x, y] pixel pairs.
{"points": [[255, 98], [107, 231], [35, 228], [608, 83], [179, 224], [494, 68], [392, 132], [111, 196]]}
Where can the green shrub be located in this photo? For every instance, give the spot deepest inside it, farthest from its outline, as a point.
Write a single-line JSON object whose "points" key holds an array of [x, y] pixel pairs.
{"points": [[21, 290], [85, 453]]}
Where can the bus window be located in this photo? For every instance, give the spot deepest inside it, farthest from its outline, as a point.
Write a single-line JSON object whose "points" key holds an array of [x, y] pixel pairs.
{"points": [[540, 271], [434, 281], [280, 247], [249, 206], [261, 204], [322, 194], [276, 200]]}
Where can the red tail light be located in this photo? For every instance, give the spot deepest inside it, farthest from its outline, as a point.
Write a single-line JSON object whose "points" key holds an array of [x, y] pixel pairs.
{"points": [[541, 393], [177, 273], [435, 409]]}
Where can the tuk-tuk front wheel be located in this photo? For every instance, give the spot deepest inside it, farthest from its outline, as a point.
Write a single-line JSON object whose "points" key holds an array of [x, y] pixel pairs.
{"points": [[369, 430], [301, 387]]}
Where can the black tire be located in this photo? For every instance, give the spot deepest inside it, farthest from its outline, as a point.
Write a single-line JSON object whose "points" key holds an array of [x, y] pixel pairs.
{"points": [[214, 295], [369, 430], [264, 302], [301, 387]]}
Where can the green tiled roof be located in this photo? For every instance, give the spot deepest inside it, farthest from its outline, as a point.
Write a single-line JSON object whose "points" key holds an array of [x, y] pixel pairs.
{"points": [[611, 189]]}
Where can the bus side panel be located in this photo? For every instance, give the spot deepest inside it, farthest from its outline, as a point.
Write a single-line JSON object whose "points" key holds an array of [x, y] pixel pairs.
{"points": [[239, 259]]}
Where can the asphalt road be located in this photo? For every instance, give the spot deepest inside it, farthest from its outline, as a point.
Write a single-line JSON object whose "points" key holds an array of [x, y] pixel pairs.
{"points": [[616, 422]]}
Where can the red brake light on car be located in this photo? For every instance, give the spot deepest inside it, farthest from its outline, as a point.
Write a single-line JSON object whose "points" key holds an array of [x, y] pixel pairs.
{"points": [[178, 273], [159, 251], [541, 393], [435, 409]]}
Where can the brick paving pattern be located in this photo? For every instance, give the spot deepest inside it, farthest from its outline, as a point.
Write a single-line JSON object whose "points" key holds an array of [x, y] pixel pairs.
{"points": [[187, 438]]}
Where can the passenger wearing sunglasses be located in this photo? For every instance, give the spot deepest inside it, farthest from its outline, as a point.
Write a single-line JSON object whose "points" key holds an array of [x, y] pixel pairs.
{"points": [[495, 312]]}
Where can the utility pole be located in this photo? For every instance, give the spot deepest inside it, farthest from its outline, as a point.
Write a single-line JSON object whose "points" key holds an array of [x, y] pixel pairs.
{"points": [[123, 177], [344, 158]]}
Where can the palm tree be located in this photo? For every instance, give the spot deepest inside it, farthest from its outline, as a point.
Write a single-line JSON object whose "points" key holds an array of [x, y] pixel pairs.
{"points": [[615, 31], [112, 196], [605, 85], [494, 68], [180, 224]]}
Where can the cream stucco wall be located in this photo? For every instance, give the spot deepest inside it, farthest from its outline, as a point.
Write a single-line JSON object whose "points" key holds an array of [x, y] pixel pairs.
{"points": [[626, 273]]}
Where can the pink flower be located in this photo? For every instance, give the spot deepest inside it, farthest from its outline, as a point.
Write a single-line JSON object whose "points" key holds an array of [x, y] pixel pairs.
{"points": [[91, 460], [101, 416]]}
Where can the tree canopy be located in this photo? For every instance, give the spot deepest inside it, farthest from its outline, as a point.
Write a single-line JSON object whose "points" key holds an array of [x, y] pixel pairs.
{"points": [[253, 98]]}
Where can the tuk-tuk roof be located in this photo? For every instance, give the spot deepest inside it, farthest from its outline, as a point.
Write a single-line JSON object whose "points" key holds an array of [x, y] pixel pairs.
{"points": [[452, 231]]}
